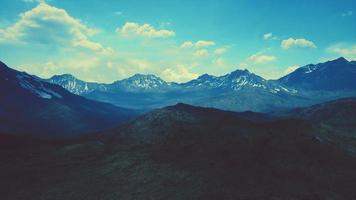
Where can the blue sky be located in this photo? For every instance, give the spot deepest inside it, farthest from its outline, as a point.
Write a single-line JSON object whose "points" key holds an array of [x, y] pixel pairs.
{"points": [[177, 40]]}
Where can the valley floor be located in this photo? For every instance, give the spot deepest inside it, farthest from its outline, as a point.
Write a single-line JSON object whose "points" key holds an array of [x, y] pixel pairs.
{"points": [[91, 171]]}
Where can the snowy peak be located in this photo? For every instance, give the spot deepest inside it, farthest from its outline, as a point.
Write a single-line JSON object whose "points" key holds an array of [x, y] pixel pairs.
{"points": [[142, 82], [63, 77], [72, 84], [203, 81], [239, 72]]}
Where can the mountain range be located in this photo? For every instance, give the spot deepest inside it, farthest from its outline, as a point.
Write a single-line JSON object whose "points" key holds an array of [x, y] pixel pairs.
{"points": [[64, 105], [239, 90]]}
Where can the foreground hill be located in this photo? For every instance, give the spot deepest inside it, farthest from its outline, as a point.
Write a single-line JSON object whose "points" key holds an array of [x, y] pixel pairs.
{"points": [[335, 121], [31, 106]]}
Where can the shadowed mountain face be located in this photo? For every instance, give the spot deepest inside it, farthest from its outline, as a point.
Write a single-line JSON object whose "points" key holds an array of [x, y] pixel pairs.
{"points": [[31, 106], [335, 75], [184, 152]]}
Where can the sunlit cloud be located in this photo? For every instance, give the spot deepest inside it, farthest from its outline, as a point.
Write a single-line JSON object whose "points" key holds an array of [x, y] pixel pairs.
{"points": [[198, 44], [297, 43], [180, 73], [261, 58], [145, 30], [201, 53], [187, 44], [204, 43], [49, 25], [220, 51]]}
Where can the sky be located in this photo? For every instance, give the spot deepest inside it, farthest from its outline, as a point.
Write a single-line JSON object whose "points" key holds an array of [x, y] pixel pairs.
{"points": [[178, 40]]}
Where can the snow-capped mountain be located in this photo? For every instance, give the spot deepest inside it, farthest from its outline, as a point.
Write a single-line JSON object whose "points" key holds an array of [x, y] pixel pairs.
{"points": [[135, 83], [29, 105], [239, 90], [236, 80], [335, 75]]}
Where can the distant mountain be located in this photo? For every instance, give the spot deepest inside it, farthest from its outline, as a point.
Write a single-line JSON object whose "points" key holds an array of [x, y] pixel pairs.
{"points": [[335, 75], [31, 106], [239, 90], [229, 92]]}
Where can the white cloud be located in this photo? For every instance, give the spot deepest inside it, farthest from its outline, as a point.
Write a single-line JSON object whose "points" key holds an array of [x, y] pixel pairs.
{"points": [[145, 30], [49, 25], [269, 36], [299, 43], [201, 53], [204, 43], [178, 74], [290, 69], [220, 51], [187, 44], [348, 52], [198, 44], [347, 13], [261, 59]]}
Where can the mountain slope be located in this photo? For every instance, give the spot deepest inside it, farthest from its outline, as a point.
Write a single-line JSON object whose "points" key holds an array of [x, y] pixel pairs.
{"points": [[340, 113], [225, 150], [334, 121], [31, 106], [334, 75]]}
